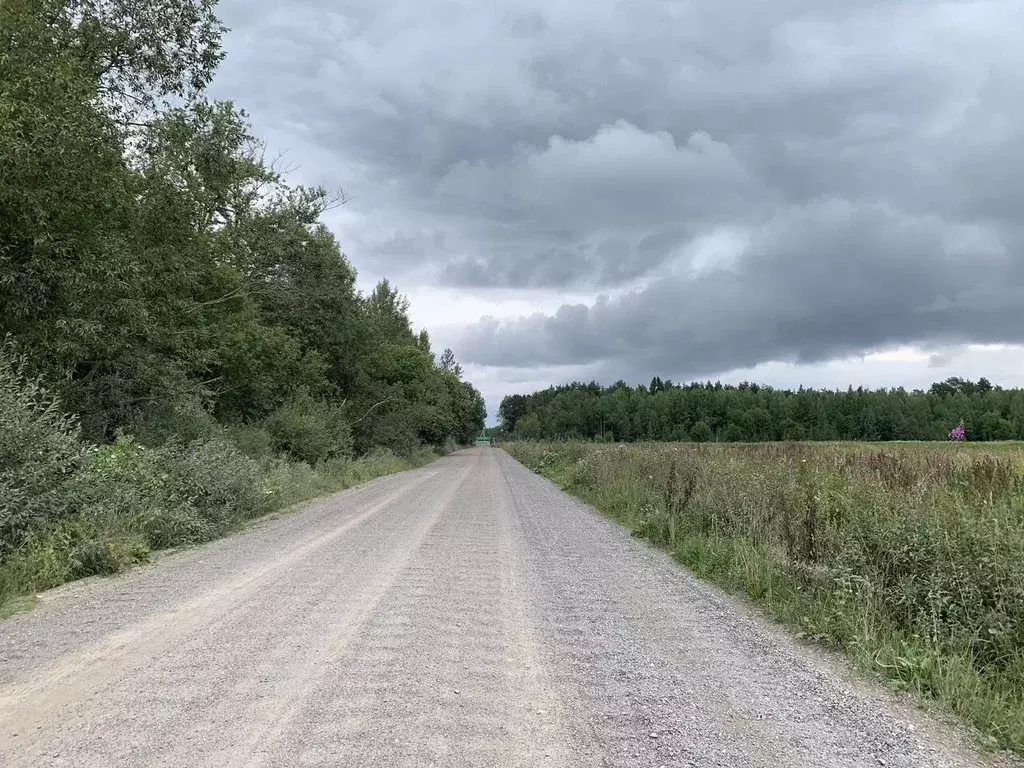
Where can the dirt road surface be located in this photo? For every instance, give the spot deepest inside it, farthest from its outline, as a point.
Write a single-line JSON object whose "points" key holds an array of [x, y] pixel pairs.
{"points": [[464, 614]]}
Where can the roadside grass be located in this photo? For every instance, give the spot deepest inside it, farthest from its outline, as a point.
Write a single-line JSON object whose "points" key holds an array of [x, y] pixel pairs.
{"points": [[907, 557], [130, 501], [70, 508], [290, 483], [17, 605]]}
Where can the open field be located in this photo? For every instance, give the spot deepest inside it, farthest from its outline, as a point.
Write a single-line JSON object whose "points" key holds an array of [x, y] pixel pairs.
{"points": [[909, 557]]}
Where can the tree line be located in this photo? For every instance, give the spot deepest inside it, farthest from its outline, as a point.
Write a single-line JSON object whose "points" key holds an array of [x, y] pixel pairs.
{"points": [[160, 274], [706, 411]]}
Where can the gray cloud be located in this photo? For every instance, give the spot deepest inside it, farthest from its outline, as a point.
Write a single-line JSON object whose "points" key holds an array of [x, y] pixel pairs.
{"points": [[860, 161], [814, 283], [618, 204]]}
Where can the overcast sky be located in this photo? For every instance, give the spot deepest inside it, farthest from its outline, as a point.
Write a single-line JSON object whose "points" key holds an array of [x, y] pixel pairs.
{"points": [[825, 192]]}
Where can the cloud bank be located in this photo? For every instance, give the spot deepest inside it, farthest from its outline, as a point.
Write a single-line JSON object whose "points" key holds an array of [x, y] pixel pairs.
{"points": [[713, 185]]}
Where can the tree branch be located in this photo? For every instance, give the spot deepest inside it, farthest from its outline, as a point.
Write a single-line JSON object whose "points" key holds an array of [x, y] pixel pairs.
{"points": [[238, 292], [385, 400]]}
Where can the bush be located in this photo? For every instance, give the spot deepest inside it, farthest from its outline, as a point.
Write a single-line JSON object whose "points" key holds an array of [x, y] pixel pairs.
{"points": [[185, 419], [70, 510], [172, 495], [392, 431], [292, 482], [211, 476], [71, 549], [252, 440], [124, 485], [310, 430], [40, 449], [700, 432], [94, 550]]}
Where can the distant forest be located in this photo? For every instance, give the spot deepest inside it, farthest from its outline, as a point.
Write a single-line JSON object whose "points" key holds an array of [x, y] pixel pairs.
{"points": [[703, 412]]}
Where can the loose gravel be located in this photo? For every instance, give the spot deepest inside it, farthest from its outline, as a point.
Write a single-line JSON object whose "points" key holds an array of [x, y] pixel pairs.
{"points": [[467, 613]]}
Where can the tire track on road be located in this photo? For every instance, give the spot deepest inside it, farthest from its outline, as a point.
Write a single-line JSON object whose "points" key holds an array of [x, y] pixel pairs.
{"points": [[269, 721], [448, 669]]}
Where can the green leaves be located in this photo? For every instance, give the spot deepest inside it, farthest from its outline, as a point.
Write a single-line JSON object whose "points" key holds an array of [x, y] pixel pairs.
{"points": [[703, 412], [140, 52], [39, 450], [310, 430], [159, 272], [165, 282]]}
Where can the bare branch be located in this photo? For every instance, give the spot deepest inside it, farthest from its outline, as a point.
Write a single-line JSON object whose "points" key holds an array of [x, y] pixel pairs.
{"points": [[237, 293], [385, 400], [336, 200]]}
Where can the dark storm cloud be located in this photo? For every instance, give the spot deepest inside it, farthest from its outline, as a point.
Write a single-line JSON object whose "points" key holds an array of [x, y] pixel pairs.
{"points": [[817, 282], [862, 157], [616, 197]]}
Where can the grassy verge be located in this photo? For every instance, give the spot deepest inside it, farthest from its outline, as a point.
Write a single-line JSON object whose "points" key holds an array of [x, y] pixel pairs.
{"points": [[17, 605], [128, 501], [909, 558], [70, 508]]}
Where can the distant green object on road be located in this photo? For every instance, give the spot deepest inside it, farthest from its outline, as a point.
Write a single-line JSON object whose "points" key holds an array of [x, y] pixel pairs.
{"points": [[485, 439]]}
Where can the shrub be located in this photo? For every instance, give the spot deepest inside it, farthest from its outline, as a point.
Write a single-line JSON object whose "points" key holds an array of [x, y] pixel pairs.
{"points": [[252, 440], [393, 431], [40, 449], [71, 549], [310, 430], [183, 419], [216, 479], [700, 432], [172, 495], [94, 550], [70, 510]]}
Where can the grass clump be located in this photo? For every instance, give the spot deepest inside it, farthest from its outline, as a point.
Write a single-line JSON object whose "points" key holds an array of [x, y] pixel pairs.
{"points": [[909, 558]]}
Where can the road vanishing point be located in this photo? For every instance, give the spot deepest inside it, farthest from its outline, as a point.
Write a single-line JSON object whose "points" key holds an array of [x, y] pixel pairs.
{"points": [[467, 613]]}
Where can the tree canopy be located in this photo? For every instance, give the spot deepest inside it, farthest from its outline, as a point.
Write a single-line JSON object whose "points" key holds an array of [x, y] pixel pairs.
{"points": [[704, 411], [155, 269]]}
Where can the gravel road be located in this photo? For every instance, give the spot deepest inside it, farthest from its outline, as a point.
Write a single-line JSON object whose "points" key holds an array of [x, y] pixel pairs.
{"points": [[464, 614]]}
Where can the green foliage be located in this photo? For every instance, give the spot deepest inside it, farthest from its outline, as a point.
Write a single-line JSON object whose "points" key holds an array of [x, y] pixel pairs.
{"points": [[706, 412], [700, 432], [185, 419], [171, 495], [529, 427], [138, 52], [251, 439], [394, 431], [39, 450], [73, 548], [309, 430], [159, 272], [223, 485], [289, 483], [911, 560], [161, 280]]}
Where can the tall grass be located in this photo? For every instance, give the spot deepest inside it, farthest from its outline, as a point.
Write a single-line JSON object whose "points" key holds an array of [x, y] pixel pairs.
{"points": [[910, 558]]}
